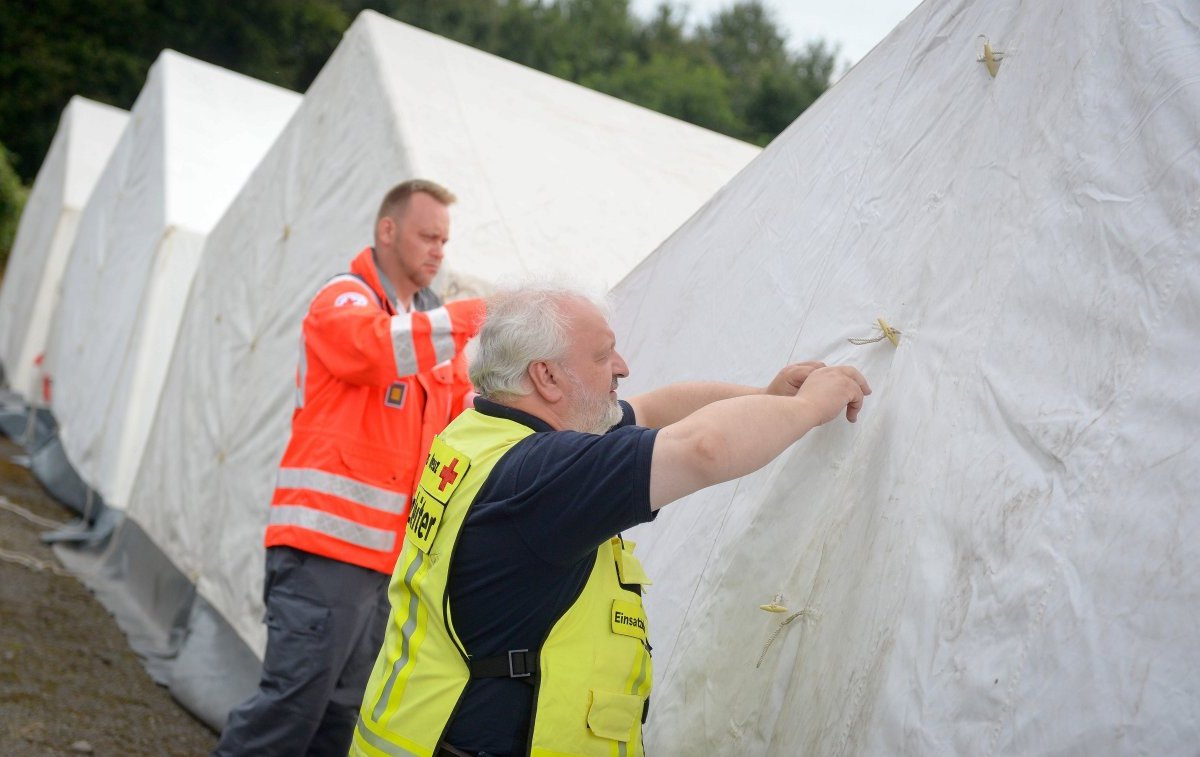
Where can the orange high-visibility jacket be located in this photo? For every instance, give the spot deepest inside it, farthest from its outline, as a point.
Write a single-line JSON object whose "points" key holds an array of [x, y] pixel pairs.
{"points": [[372, 389]]}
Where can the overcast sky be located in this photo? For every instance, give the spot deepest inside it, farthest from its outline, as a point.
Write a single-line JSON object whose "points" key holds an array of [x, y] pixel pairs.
{"points": [[857, 25]]}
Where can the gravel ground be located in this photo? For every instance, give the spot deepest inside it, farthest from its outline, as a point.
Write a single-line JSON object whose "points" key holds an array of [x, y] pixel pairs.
{"points": [[69, 684]]}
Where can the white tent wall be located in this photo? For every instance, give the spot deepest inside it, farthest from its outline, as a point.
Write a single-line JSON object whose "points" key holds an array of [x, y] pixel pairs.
{"points": [[87, 133], [1003, 555], [392, 103], [196, 133], [576, 184]]}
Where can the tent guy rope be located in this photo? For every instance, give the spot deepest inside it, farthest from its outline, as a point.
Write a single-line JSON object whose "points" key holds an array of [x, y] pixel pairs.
{"points": [[807, 613]]}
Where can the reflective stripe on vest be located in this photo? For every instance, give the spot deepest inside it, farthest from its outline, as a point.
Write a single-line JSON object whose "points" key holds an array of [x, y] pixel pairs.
{"points": [[594, 683], [378, 539], [363, 731], [374, 497]]}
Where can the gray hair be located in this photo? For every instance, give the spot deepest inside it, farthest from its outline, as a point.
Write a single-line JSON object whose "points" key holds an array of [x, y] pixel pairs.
{"points": [[523, 326]]}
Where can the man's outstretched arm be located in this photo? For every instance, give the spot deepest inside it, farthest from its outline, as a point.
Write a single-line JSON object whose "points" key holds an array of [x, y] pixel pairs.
{"points": [[732, 437], [660, 408]]}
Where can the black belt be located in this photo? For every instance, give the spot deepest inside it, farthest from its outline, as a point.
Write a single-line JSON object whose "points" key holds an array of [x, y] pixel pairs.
{"points": [[516, 663]]}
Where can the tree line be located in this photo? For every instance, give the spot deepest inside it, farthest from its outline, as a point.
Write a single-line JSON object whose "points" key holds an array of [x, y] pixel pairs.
{"points": [[733, 73]]}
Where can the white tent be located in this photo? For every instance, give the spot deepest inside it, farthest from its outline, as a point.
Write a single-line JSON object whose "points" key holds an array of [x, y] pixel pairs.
{"points": [[87, 133], [1003, 555], [551, 178], [195, 133]]}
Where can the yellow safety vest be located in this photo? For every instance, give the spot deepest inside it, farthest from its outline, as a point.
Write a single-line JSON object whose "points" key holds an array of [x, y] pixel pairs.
{"points": [[594, 670]]}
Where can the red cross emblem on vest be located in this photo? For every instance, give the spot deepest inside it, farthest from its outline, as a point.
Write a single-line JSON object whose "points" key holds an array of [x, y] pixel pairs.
{"points": [[448, 475]]}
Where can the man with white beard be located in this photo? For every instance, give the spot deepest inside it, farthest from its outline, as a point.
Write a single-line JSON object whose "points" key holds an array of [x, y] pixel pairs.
{"points": [[517, 624]]}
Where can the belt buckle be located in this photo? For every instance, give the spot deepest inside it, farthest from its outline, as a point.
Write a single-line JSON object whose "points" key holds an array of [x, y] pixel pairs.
{"points": [[512, 668]]}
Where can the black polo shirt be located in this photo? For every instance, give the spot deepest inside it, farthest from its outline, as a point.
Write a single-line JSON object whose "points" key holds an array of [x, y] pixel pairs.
{"points": [[525, 552]]}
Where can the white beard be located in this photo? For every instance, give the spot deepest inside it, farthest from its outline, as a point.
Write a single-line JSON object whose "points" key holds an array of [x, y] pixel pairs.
{"points": [[592, 414]]}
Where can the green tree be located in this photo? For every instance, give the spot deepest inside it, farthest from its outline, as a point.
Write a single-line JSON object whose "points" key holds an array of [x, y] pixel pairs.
{"points": [[12, 201], [674, 84], [770, 86], [734, 74], [472, 22], [102, 50]]}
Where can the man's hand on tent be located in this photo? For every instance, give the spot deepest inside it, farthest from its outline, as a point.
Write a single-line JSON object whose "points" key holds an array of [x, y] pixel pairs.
{"points": [[831, 389], [791, 378]]}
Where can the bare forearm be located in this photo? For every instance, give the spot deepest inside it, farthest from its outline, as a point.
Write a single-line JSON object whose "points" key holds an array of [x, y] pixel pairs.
{"points": [[733, 437], [725, 440], [672, 403]]}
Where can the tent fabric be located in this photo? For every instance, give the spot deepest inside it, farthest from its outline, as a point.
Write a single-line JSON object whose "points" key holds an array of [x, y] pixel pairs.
{"points": [[1003, 554], [87, 133], [195, 134], [551, 179]]}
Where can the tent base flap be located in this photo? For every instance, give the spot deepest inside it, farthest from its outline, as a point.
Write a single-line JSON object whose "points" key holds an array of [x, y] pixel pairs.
{"points": [[183, 642]]}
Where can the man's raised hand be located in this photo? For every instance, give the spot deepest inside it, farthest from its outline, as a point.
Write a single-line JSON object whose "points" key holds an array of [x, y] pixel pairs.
{"points": [[789, 380], [829, 389]]}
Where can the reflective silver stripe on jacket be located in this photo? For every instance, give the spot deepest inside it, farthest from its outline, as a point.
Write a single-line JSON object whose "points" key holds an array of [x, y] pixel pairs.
{"points": [[301, 373], [322, 522], [442, 333], [374, 497], [402, 344]]}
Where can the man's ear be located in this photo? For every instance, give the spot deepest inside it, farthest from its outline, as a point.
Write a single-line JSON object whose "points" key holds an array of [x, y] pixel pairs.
{"points": [[385, 231], [546, 379]]}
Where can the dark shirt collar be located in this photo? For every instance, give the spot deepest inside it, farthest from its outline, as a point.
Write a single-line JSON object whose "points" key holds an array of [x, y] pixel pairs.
{"points": [[496, 410]]}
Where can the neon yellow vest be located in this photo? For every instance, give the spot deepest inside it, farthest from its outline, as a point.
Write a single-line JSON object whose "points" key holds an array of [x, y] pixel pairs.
{"points": [[595, 671]]}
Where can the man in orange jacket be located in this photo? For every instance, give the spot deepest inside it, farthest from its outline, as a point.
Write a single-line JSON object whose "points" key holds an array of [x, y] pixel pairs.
{"points": [[381, 371]]}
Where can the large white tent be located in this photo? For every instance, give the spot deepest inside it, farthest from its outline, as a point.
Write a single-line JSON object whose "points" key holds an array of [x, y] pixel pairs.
{"points": [[195, 133], [1003, 555], [87, 133], [552, 179]]}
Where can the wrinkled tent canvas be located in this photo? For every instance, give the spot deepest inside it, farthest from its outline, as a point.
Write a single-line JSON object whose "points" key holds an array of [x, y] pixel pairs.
{"points": [[87, 133], [1003, 555], [195, 134], [551, 179]]}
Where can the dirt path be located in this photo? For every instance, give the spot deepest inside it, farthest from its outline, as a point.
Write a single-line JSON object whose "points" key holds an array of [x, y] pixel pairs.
{"points": [[69, 684]]}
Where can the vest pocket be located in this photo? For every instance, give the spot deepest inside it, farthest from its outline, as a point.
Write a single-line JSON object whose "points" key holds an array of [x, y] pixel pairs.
{"points": [[614, 716]]}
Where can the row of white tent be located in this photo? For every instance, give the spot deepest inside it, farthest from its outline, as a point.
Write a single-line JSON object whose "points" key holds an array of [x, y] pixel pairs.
{"points": [[1002, 556], [158, 282]]}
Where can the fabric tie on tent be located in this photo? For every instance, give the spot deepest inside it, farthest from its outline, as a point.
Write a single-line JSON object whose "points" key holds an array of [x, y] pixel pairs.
{"points": [[889, 333]]}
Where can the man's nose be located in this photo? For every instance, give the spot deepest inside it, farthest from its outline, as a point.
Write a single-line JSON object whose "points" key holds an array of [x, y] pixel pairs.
{"points": [[620, 368]]}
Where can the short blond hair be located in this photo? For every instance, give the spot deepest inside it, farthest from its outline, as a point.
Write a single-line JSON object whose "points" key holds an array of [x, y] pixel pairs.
{"points": [[396, 200]]}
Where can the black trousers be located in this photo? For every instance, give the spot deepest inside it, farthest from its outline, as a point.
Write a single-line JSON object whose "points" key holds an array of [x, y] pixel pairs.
{"points": [[325, 624]]}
